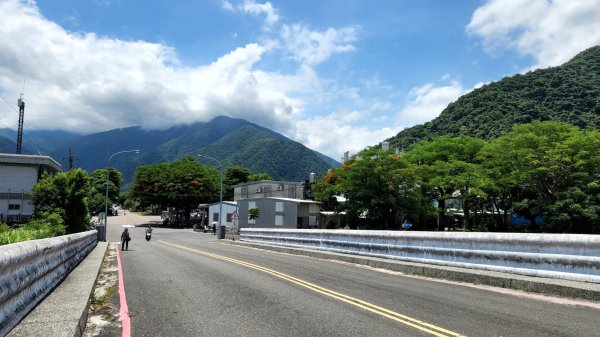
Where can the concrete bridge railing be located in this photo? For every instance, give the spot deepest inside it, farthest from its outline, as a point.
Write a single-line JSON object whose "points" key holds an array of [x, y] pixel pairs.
{"points": [[30, 270], [563, 256]]}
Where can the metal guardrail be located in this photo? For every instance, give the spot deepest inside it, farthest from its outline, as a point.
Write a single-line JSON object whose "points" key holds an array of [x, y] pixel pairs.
{"points": [[30, 270], [563, 256]]}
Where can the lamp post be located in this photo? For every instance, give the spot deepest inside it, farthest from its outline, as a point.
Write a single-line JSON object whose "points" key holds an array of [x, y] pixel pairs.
{"points": [[221, 194], [106, 198]]}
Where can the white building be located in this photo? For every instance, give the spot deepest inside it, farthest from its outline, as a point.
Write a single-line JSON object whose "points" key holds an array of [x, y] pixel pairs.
{"points": [[229, 209], [18, 174]]}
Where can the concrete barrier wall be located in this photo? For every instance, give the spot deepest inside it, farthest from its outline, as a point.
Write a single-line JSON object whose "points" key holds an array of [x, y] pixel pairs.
{"points": [[564, 256], [30, 270]]}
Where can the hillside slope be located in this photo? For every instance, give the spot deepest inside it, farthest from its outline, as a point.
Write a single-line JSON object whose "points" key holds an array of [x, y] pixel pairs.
{"points": [[568, 93], [232, 141]]}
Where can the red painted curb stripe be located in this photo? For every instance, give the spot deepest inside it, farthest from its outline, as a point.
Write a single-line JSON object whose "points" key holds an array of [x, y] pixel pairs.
{"points": [[124, 311]]}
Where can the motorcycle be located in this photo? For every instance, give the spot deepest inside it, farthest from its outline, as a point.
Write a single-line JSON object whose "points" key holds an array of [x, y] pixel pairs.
{"points": [[148, 234]]}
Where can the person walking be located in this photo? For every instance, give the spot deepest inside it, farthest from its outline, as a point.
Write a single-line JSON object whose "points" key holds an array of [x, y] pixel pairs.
{"points": [[125, 238]]}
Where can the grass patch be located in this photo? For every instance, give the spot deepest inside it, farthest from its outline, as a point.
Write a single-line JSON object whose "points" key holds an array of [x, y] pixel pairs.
{"points": [[48, 227], [97, 301]]}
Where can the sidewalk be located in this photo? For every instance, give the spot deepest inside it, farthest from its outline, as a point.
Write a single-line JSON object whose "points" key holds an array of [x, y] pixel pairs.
{"points": [[64, 312]]}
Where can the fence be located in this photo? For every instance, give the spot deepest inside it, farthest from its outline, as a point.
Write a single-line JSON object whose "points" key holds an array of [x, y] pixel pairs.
{"points": [[30, 270], [563, 256]]}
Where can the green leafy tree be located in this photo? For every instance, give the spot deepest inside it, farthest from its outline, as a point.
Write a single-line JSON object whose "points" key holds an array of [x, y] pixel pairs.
{"points": [[549, 169], [182, 184], [64, 194], [97, 191], [380, 186], [447, 165], [149, 185], [253, 213], [234, 175]]}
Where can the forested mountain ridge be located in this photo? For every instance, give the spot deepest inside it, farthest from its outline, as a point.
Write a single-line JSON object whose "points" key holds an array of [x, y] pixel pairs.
{"points": [[569, 93], [234, 142]]}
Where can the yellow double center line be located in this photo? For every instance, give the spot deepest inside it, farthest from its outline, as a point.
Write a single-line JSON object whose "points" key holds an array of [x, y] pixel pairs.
{"points": [[406, 320]]}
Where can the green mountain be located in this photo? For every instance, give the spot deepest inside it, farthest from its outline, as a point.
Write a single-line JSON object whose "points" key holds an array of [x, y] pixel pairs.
{"points": [[231, 141], [7, 145], [569, 93]]}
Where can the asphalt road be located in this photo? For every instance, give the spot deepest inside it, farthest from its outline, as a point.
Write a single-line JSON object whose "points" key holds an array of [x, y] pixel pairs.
{"points": [[183, 283]]}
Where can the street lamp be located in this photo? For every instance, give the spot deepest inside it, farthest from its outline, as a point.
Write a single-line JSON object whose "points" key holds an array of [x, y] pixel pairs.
{"points": [[221, 194], [106, 198]]}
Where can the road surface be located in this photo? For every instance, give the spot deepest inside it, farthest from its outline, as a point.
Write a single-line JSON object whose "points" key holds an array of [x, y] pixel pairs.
{"points": [[184, 283]]}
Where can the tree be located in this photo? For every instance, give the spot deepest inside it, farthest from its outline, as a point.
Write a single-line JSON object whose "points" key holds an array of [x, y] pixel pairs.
{"points": [[380, 187], [253, 214], [549, 169], [64, 194], [182, 184], [447, 165], [234, 175], [149, 185], [97, 191]]}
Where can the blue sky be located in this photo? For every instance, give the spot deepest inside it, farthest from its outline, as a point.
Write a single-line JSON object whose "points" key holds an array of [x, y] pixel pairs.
{"points": [[334, 75]]}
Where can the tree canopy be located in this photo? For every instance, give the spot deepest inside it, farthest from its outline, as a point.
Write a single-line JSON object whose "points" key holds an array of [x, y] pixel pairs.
{"points": [[63, 194], [543, 170], [182, 184]]}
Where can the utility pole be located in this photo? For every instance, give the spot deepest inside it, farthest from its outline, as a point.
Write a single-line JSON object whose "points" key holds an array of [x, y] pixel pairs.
{"points": [[70, 159], [21, 103]]}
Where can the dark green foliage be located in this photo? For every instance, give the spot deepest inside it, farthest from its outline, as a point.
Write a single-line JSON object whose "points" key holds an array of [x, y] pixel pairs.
{"points": [[569, 93], [97, 191], [64, 194], [182, 184], [382, 188], [542, 169], [253, 213], [48, 225]]}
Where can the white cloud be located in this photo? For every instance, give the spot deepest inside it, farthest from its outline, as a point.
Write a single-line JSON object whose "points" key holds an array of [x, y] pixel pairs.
{"points": [[428, 101], [550, 31], [87, 83], [312, 47], [83, 82], [253, 8], [333, 134], [226, 5]]}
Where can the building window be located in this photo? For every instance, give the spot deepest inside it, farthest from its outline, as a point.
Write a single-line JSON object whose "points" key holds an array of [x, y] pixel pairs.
{"points": [[229, 215], [14, 207], [216, 217], [279, 207], [278, 220], [312, 221]]}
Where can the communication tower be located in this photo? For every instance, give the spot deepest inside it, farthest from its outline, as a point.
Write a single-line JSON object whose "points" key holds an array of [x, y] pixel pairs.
{"points": [[21, 103]]}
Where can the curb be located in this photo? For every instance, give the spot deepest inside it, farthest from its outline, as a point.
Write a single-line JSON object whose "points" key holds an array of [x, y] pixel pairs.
{"points": [[546, 286], [63, 313]]}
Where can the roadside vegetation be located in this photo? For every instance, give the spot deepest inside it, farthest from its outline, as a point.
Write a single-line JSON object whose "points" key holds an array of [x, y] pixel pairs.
{"points": [[548, 171], [48, 226], [184, 184]]}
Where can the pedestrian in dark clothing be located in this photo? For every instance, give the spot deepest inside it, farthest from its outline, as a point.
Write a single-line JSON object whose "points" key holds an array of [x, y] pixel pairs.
{"points": [[125, 238], [214, 228]]}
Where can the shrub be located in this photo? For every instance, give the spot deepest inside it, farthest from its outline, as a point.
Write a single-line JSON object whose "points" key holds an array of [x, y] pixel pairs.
{"points": [[49, 226]]}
